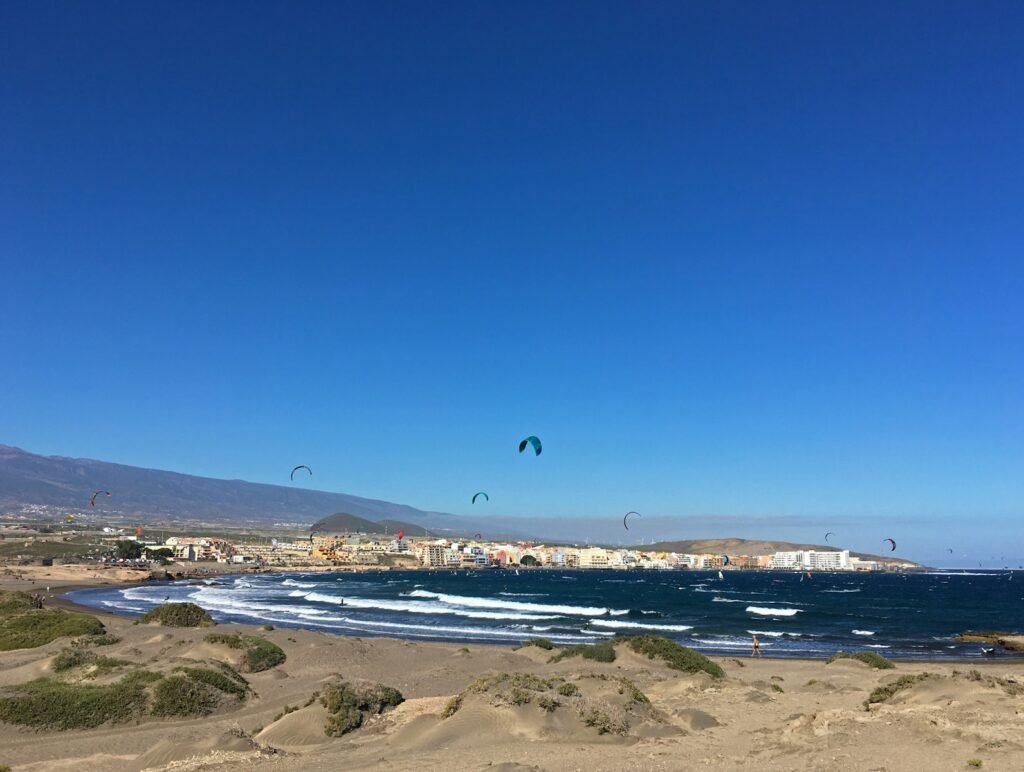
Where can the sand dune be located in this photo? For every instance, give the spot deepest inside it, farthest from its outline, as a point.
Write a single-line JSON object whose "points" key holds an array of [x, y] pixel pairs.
{"points": [[764, 714]]}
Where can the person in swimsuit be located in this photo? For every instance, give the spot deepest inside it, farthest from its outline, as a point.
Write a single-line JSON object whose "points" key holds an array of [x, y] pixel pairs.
{"points": [[756, 652]]}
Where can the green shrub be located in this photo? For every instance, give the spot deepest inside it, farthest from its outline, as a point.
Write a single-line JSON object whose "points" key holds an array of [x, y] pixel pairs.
{"points": [[106, 639], [179, 695], [14, 603], [676, 656], [568, 689], [777, 688], [72, 658], [37, 627], [258, 654], [885, 692], [268, 628], [348, 704], [540, 643], [548, 704], [629, 688], [867, 657], [452, 706], [223, 680], [603, 722], [178, 615], [599, 652], [974, 762], [49, 704]]}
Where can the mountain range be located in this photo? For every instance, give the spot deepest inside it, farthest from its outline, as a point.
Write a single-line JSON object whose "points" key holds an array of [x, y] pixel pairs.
{"points": [[152, 494]]}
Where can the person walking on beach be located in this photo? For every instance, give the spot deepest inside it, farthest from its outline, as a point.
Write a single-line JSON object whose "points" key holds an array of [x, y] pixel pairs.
{"points": [[756, 651]]}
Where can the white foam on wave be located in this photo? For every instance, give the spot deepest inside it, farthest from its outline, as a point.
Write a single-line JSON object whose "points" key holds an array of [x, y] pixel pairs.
{"points": [[638, 626], [419, 607], [520, 594], [769, 633], [513, 605], [773, 612], [293, 583], [717, 599], [877, 646], [863, 632], [840, 590]]}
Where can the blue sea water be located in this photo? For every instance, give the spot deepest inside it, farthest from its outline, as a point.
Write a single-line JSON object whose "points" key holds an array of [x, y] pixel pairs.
{"points": [[913, 616]]}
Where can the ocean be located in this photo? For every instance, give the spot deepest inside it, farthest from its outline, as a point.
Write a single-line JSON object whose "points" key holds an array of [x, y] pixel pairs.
{"points": [[906, 616]]}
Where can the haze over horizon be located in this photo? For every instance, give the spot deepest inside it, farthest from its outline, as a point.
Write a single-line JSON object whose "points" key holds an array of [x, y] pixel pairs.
{"points": [[753, 268]]}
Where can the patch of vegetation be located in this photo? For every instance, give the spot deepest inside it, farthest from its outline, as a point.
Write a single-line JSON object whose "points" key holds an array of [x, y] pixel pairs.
{"points": [[599, 652], [603, 722], [812, 682], [974, 762], [463, 650], [518, 696], [224, 679], [452, 706], [25, 627], [740, 662], [72, 658], [258, 654], [349, 705], [106, 639], [548, 704], [179, 695], [777, 688], [886, 692], [268, 628], [178, 615], [540, 643], [568, 689], [287, 709], [631, 690], [776, 678], [676, 656], [867, 657], [46, 703]]}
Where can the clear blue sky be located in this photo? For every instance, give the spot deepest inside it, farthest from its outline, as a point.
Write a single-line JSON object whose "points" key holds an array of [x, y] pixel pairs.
{"points": [[743, 260]]}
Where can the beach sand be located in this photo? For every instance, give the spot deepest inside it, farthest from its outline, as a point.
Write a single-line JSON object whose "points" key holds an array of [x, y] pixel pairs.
{"points": [[765, 714]]}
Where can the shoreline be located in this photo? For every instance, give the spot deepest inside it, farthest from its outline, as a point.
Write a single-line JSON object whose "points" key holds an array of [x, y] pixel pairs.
{"points": [[60, 600]]}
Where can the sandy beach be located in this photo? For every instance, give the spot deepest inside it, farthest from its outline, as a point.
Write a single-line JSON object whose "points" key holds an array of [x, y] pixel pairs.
{"points": [[769, 714]]}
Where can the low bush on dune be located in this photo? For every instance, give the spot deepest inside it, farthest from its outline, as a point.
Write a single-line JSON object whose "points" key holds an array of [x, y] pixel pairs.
{"points": [[258, 654], [540, 643], [867, 657], [197, 691], [885, 692], [30, 628], [178, 615], [73, 658], [519, 689], [676, 656], [14, 602], [105, 639], [49, 704], [222, 678], [599, 652], [349, 704]]}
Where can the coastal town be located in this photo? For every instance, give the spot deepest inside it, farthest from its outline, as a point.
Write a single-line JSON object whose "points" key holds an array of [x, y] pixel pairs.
{"points": [[347, 550]]}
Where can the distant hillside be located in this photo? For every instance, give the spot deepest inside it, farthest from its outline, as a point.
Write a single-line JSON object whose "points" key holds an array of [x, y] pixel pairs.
{"points": [[342, 522], [27, 478], [754, 547]]}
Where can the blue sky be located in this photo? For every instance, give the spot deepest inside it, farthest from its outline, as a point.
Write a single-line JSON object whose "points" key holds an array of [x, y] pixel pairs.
{"points": [[749, 261]]}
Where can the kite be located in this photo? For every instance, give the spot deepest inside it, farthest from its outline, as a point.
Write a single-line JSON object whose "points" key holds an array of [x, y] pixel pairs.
{"points": [[92, 501], [626, 525], [893, 543], [301, 466], [481, 493], [531, 440]]}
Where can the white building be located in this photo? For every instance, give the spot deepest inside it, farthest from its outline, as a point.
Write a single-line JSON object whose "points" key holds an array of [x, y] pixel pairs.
{"points": [[812, 560]]}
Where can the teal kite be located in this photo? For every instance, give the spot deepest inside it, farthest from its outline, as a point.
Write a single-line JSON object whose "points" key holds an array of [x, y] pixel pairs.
{"points": [[481, 493], [531, 440]]}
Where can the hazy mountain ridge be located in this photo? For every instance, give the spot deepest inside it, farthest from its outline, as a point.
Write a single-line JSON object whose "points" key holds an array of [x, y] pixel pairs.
{"points": [[27, 478]]}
